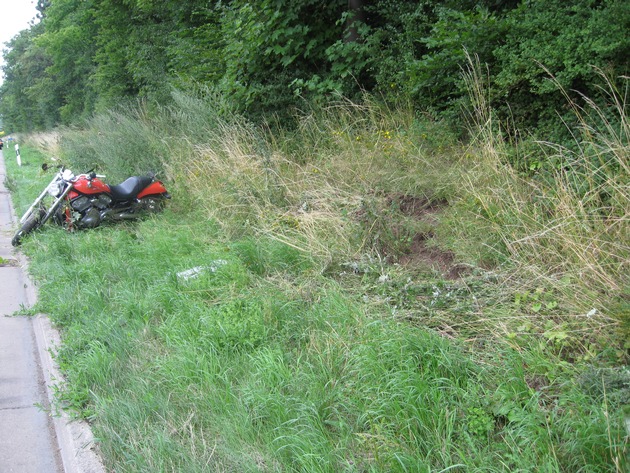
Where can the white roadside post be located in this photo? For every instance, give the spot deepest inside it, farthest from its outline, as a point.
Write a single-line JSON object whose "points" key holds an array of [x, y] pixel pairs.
{"points": [[17, 154]]}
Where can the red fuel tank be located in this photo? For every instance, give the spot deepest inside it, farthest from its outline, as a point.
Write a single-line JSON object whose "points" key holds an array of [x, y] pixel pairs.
{"points": [[93, 186]]}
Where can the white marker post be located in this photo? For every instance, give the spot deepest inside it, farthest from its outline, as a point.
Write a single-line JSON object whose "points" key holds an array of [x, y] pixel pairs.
{"points": [[17, 154]]}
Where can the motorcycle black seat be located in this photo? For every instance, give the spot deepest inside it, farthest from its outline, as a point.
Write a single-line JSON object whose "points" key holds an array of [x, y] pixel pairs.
{"points": [[130, 188]]}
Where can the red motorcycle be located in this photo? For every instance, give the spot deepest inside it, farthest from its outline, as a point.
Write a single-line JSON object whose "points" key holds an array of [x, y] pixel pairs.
{"points": [[85, 201]]}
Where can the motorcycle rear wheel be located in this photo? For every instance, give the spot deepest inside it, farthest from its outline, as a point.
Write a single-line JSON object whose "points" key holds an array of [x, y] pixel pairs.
{"points": [[153, 203], [32, 223]]}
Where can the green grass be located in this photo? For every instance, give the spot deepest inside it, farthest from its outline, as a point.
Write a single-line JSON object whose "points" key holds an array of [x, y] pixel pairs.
{"points": [[326, 330], [25, 182]]}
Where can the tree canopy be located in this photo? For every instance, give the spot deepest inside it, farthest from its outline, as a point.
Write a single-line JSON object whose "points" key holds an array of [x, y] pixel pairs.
{"points": [[267, 56]]}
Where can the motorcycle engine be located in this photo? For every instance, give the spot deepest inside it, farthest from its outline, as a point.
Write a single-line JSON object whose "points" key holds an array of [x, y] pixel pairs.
{"points": [[89, 209], [90, 219], [102, 201], [81, 204]]}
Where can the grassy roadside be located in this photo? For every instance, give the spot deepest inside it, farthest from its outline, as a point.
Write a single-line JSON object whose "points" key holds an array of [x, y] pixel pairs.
{"points": [[25, 182], [358, 307]]}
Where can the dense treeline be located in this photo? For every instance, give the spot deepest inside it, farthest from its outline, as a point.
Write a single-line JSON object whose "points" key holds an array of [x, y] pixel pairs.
{"points": [[267, 56]]}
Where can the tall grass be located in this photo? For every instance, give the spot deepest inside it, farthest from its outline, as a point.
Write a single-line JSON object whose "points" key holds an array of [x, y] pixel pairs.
{"points": [[124, 142], [303, 186], [233, 372], [302, 343], [571, 218]]}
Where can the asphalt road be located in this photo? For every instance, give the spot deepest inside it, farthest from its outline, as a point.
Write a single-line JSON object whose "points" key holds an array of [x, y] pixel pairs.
{"points": [[31, 439]]}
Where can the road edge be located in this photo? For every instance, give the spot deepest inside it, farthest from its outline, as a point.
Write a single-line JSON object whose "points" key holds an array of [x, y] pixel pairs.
{"points": [[75, 440]]}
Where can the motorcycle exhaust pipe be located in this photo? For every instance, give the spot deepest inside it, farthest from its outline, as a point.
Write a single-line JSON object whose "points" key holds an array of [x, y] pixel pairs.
{"points": [[114, 215], [124, 216]]}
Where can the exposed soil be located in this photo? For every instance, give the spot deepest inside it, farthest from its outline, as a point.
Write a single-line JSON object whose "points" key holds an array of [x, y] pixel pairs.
{"points": [[423, 250], [422, 253]]}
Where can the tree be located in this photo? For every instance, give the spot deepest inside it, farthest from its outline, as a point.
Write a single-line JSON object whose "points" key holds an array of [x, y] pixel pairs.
{"points": [[22, 105], [268, 55], [68, 39], [356, 16], [567, 40]]}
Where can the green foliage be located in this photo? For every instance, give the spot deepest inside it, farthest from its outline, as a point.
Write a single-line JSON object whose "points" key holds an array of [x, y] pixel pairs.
{"points": [[572, 40], [269, 56], [268, 47], [434, 80], [26, 103], [69, 39]]}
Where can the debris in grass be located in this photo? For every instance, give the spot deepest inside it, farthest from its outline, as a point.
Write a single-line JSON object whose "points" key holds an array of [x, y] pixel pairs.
{"points": [[193, 273]]}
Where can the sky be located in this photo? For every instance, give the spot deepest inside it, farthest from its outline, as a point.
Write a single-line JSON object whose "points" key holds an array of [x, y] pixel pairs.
{"points": [[15, 16]]}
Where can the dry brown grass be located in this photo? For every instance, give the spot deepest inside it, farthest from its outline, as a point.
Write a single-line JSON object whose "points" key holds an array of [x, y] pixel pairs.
{"points": [[576, 224], [308, 197], [47, 142]]}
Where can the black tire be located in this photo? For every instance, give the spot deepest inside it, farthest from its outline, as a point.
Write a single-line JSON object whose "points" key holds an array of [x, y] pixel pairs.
{"points": [[32, 223]]}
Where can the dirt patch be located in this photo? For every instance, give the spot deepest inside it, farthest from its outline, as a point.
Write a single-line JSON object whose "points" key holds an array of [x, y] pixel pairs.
{"points": [[401, 228], [423, 252]]}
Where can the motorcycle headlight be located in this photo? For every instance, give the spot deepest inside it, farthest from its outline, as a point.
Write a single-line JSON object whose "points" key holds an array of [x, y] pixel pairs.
{"points": [[54, 189]]}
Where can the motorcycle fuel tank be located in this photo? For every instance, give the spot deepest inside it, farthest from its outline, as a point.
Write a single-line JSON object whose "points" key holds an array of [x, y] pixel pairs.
{"points": [[90, 186]]}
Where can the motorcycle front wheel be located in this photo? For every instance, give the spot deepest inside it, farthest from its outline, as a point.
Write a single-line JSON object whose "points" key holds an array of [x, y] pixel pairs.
{"points": [[32, 223]]}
